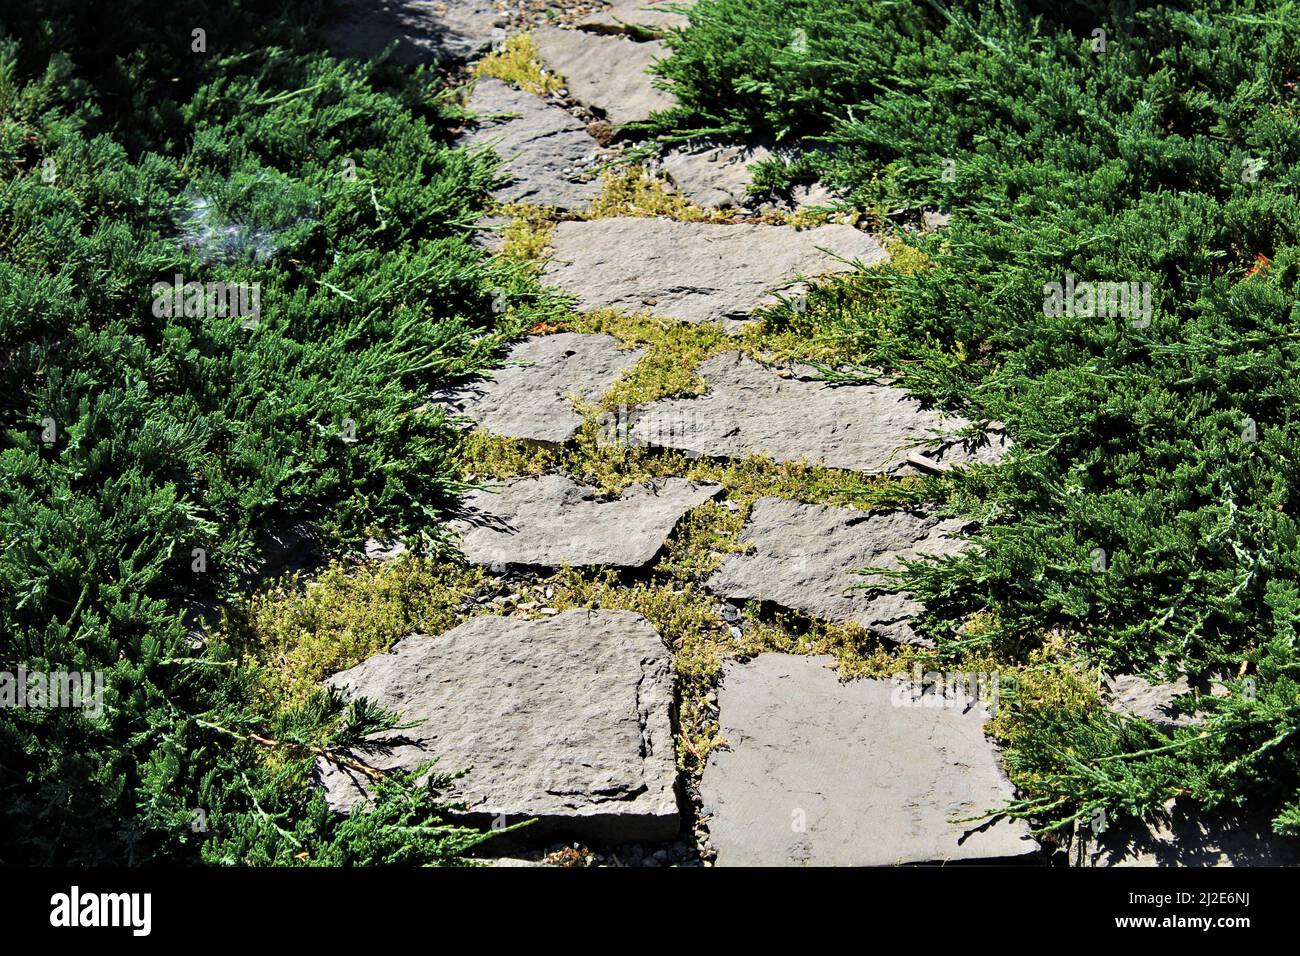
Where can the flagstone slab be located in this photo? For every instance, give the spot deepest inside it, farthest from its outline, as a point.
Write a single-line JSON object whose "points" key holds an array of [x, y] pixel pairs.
{"points": [[716, 176], [531, 396], [565, 720], [606, 74], [553, 521], [1134, 695], [823, 773], [789, 414], [696, 271], [621, 15], [547, 155], [805, 557], [441, 31]]}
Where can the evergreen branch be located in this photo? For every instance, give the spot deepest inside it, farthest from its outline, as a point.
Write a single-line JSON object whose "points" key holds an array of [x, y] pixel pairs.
{"points": [[333, 756]]}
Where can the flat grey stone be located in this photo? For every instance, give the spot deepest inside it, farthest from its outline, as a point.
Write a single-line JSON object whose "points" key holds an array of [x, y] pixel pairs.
{"points": [[510, 861], [437, 32], [543, 148], [650, 14], [606, 74], [553, 521], [932, 220], [957, 452], [696, 271], [1187, 836], [565, 720], [531, 397], [803, 198], [1134, 695], [383, 551], [786, 413], [804, 557], [823, 773], [717, 176], [812, 196]]}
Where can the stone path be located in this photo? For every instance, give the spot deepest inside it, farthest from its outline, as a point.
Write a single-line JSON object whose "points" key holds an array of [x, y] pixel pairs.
{"points": [[696, 271], [547, 153], [551, 370], [423, 32], [606, 74], [566, 718], [790, 415], [825, 773], [804, 557], [1134, 695], [1187, 837], [596, 758], [554, 521], [714, 175], [624, 15]]}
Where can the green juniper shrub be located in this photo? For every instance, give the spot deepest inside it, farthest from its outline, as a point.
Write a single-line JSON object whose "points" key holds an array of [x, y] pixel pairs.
{"points": [[146, 450]]}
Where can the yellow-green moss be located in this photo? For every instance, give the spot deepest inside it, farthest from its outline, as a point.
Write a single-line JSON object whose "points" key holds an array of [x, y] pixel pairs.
{"points": [[673, 352], [302, 633], [631, 191], [527, 233], [519, 64], [598, 458], [482, 455]]}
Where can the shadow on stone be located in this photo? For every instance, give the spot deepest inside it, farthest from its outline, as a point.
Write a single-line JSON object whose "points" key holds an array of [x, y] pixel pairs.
{"points": [[423, 33], [1186, 836]]}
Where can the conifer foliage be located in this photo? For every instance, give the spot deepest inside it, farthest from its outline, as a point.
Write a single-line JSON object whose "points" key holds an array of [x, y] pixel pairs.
{"points": [[151, 439]]}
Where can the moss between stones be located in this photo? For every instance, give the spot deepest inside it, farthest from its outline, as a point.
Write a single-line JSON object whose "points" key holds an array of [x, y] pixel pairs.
{"points": [[351, 612], [302, 632], [687, 617], [632, 191], [674, 350], [597, 459], [526, 235], [519, 64], [301, 636], [674, 599]]}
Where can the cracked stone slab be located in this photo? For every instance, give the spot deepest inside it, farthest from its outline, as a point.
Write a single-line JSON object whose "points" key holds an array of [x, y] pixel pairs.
{"points": [[543, 148], [696, 271], [565, 720], [425, 32], [553, 521], [650, 14], [789, 415], [823, 773], [804, 557], [717, 176], [1187, 836], [531, 397], [606, 74]]}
